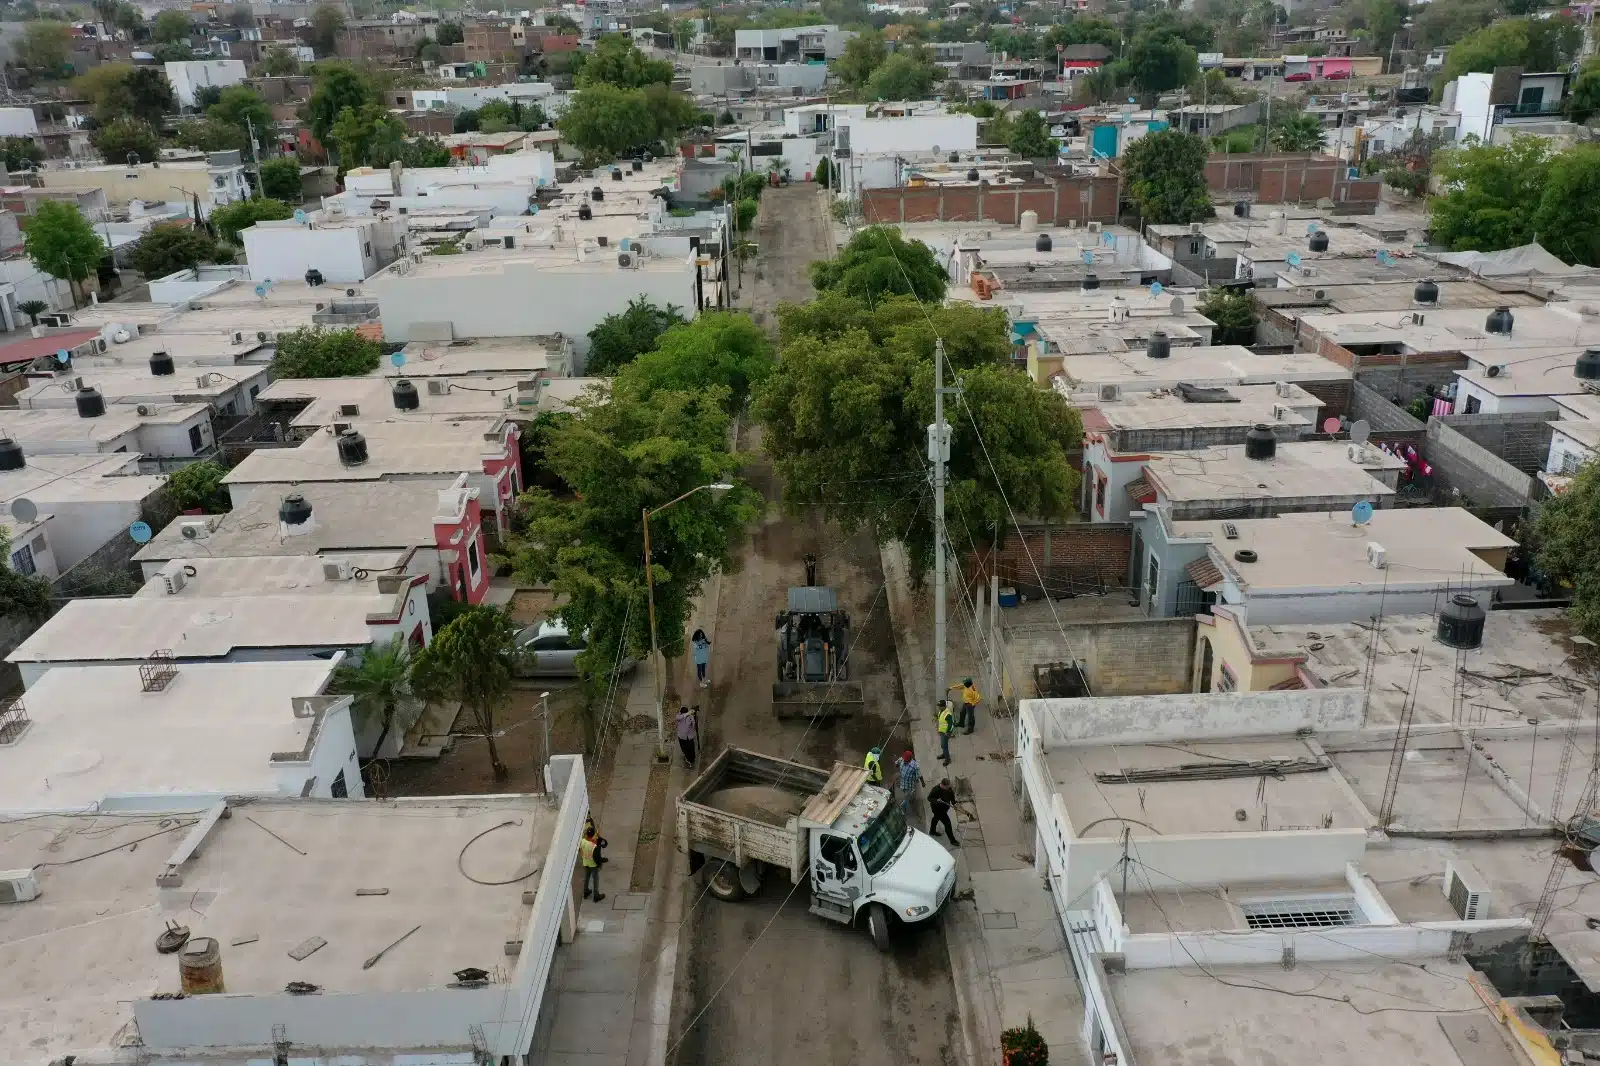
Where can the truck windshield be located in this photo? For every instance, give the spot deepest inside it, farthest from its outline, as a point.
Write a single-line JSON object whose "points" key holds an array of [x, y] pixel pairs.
{"points": [[882, 838]]}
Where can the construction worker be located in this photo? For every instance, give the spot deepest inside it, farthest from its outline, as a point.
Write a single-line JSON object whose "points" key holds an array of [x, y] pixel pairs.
{"points": [[591, 868], [874, 766], [941, 798], [969, 704], [910, 775], [947, 726]]}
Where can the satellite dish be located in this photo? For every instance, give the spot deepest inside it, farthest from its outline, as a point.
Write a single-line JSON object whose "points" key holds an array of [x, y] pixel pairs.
{"points": [[1384, 258], [141, 532], [1330, 425], [1155, 288], [1360, 431], [398, 359], [1108, 239], [300, 216], [1176, 306], [1293, 259], [1361, 513], [63, 356], [1311, 228], [261, 290], [23, 509], [1087, 257]]}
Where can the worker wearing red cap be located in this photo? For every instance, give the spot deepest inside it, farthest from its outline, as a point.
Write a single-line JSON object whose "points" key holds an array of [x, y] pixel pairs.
{"points": [[910, 777]]}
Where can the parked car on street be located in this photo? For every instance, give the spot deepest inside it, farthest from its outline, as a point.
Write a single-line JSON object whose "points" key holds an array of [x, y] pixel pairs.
{"points": [[548, 650]]}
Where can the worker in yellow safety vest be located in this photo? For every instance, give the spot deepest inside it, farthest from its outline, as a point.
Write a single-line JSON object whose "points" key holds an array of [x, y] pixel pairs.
{"points": [[947, 725], [874, 766]]}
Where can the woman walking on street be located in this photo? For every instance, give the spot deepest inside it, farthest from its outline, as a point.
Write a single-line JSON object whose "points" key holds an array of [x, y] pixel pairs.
{"points": [[702, 656], [688, 733]]}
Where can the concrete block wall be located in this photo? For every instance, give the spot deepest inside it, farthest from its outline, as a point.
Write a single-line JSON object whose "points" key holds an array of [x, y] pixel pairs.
{"points": [[1483, 478], [1125, 657], [1521, 438], [1055, 201], [1215, 714], [1074, 557], [1388, 422], [1409, 381], [1335, 395]]}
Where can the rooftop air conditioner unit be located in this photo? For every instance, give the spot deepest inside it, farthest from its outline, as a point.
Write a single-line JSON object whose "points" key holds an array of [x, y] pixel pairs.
{"points": [[1094, 227], [1284, 389], [1377, 556], [1356, 452], [197, 529], [174, 580], [100, 345], [1194, 228], [627, 259], [18, 886], [238, 337], [1110, 392], [1281, 411], [72, 384], [437, 387], [1308, 272], [266, 335], [337, 571], [1465, 889]]}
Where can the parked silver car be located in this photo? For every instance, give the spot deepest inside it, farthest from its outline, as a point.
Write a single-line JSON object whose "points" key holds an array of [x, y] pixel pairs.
{"points": [[548, 650]]}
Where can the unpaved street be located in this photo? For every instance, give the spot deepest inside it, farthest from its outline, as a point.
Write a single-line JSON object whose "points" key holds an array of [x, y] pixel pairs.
{"points": [[763, 981]]}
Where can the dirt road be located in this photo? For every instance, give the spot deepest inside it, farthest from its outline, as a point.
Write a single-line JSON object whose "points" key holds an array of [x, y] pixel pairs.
{"points": [[792, 232], [764, 981]]}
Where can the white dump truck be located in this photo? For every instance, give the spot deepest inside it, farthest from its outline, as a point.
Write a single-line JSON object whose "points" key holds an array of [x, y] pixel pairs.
{"points": [[749, 814]]}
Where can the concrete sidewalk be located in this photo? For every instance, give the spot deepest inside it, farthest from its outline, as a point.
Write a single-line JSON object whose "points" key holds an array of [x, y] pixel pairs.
{"points": [[1007, 948]]}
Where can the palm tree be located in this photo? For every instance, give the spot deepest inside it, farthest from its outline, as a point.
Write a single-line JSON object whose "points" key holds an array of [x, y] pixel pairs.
{"points": [[33, 309], [378, 683], [1299, 133]]}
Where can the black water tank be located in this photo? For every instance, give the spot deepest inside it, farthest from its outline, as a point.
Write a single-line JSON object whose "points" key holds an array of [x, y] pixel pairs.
{"points": [[955, 157], [1500, 320], [90, 403], [1241, 209], [638, 165], [314, 277], [597, 193], [1426, 292], [161, 364], [1587, 368], [405, 396], [616, 173], [1090, 282], [1317, 242], [294, 511], [584, 213], [11, 455], [352, 448], [972, 175], [1160, 346], [1461, 622], [1259, 443], [1042, 243]]}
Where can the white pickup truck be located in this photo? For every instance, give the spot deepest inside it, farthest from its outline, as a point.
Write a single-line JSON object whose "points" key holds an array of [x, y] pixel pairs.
{"points": [[749, 813]]}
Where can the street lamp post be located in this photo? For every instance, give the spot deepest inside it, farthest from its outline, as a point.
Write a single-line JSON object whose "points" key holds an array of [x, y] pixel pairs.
{"points": [[657, 665]]}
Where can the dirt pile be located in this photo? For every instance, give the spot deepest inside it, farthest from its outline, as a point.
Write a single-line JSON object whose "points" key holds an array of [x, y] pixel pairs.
{"points": [[773, 806]]}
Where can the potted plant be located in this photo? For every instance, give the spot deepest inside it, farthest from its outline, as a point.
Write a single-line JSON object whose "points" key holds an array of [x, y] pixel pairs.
{"points": [[1024, 1046]]}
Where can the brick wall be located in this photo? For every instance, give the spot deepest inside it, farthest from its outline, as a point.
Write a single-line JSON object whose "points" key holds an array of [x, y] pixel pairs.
{"points": [[1076, 557], [1122, 657], [1483, 479], [1335, 397], [1299, 178], [1055, 201], [1521, 438]]}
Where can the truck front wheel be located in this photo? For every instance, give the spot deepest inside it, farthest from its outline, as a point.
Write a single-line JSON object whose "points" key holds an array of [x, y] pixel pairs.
{"points": [[722, 881], [878, 925]]}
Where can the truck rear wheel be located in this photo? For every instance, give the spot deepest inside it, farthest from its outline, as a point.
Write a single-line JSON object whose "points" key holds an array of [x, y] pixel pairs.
{"points": [[722, 881], [878, 925]]}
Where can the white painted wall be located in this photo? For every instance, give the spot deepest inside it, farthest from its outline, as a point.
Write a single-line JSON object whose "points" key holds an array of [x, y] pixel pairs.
{"points": [[333, 751], [1491, 404], [285, 251], [913, 133], [193, 75], [1306, 606], [84, 526], [1565, 450], [174, 441], [1109, 719], [18, 122], [38, 542]]}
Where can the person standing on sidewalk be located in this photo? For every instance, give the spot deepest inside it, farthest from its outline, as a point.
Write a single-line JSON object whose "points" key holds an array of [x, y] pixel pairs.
{"points": [[591, 868], [946, 727], [702, 656], [941, 798], [688, 723], [874, 766], [969, 704], [910, 777]]}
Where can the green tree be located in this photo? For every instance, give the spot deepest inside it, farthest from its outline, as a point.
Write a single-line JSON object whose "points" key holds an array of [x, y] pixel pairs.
{"points": [[336, 87], [615, 61], [233, 219], [21, 153], [1166, 177], [621, 456], [172, 52], [44, 47], [280, 180], [150, 95], [1161, 61], [240, 106], [465, 122], [326, 22], [901, 77], [63, 243], [368, 135], [1530, 43], [199, 487], [880, 262], [206, 95], [823, 175], [620, 338], [168, 248], [1568, 219], [847, 406], [171, 25], [604, 122], [117, 90], [1085, 29], [1492, 193], [210, 135], [449, 33], [683, 34], [126, 137], [1234, 312], [1298, 133], [720, 349], [314, 352], [279, 62], [425, 152], [1584, 99], [745, 214], [377, 685], [33, 309], [1030, 137], [471, 661], [1567, 532], [862, 56], [22, 597]]}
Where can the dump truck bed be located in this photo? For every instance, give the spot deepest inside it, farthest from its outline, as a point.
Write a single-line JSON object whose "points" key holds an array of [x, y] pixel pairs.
{"points": [[748, 806], [817, 699]]}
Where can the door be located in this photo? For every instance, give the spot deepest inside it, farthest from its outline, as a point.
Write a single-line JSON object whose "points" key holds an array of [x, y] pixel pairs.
{"points": [[835, 868]]}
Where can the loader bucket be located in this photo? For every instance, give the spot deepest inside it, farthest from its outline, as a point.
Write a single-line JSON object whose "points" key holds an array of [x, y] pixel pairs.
{"points": [[817, 699]]}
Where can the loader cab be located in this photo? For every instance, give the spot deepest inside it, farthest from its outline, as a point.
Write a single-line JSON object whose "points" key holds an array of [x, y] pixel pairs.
{"points": [[859, 844]]}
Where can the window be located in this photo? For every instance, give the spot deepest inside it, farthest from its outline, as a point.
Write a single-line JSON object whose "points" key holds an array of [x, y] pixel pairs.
{"points": [[1153, 577], [837, 850], [38, 543], [472, 559], [1100, 493], [1570, 461], [22, 561], [1316, 913], [254, 389], [1474, 405], [554, 642], [194, 438], [366, 249], [339, 790]]}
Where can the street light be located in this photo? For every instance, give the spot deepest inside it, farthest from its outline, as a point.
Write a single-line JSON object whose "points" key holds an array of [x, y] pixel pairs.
{"points": [[656, 664]]}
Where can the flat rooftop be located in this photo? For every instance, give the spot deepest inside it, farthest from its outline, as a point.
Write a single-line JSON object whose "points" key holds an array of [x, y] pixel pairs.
{"points": [[496, 261], [1342, 1015], [224, 316], [1206, 366], [1162, 409], [1533, 371], [393, 448], [485, 355], [207, 577], [135, 384], [1298, 470], [1529, 666], [100, 916], [347, 517], [1390, 296], [63, 425], [1426, 547], [283, 292], [96, 734], [1180, 808], [373, 397], [186, 349], [53, 479], [1462, 330]]}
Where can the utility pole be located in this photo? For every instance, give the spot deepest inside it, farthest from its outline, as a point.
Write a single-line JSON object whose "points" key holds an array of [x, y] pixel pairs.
{"points": [[938, 455], [255, 153]]}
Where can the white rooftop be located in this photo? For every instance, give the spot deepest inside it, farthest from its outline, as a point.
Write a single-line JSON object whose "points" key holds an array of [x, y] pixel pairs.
{"points": [[1204, 365], [208, 577], [1163, 409], [135, 384], [1297, 470], [63, 425], [373, 397], [49, 479], [393, 448], [95, 734], [486, 355]]}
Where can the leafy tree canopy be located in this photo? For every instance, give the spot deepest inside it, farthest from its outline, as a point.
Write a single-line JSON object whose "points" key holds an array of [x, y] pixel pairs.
{"points": [[1584, 100], [368, 136], [314, 352], [171, 247], [125, 137], [1030, 137], [233, 219], [44, 47], [449, 33], [880, 262], [280, 179], [21, 152], [1166, 177], [21, 597], [721, 350], [1491, 194], [199, 486], [1568, 219], [901, 77], [615, 61], [1533, 44], [1298, 133], [862, 55], [425, 152], [62, 241], [1567, 532], [326, 22], [471, 661], [621, 338], [210, 135], [1234, 312], [240, 106], [604, 121], [1161, 60], [171, 25], [336, 87], [280, 62]]}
